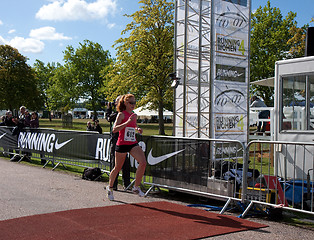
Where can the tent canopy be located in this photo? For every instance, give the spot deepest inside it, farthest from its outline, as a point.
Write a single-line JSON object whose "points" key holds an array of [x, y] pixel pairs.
{"points": [[143, 111], [268, 82]]}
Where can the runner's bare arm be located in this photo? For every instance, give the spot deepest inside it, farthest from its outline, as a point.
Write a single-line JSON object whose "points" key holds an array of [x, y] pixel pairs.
{"points": [[117, 126]]}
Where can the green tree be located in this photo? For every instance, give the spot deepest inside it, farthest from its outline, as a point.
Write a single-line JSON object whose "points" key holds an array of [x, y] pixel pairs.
{"points": [[44, 75], [145, 57], [62, 92], [17, 83], [297, 41], [84, 65], [270, 34]]}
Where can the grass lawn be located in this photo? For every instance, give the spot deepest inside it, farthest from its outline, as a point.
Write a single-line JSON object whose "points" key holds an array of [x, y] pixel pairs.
{"points": [[80, 125]]}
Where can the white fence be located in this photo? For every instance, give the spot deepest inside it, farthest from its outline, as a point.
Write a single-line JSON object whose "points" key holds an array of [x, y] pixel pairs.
{"points": [[295, 116], [254, 120]]}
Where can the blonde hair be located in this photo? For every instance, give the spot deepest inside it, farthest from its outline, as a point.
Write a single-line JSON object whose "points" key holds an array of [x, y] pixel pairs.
{"points": [[121, 104]]}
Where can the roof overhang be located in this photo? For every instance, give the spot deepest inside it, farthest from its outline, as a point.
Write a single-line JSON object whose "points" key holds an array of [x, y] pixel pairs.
{"points": [[268, 82]]}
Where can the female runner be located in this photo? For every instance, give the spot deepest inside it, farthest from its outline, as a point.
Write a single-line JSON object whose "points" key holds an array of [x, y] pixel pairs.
{"points": [[126, 125]]}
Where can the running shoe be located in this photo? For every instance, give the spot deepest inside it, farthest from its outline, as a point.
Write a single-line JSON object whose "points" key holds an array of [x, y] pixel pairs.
{"points": [[138, 191], [110, 193]]}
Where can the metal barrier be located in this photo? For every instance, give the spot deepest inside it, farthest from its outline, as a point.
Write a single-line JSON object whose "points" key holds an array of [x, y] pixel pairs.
{"points": [[268, 173], [204, 167], [285, 175]]}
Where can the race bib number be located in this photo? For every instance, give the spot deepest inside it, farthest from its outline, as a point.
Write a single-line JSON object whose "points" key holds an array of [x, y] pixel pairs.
{"points": [[129, 134]]}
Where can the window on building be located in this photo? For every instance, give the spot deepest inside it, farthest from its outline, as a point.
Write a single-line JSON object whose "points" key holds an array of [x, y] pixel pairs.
{"points": [[297, 103]]}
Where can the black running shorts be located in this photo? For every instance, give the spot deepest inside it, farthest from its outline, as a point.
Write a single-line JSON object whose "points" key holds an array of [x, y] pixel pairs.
{"points": [[125, 148]]}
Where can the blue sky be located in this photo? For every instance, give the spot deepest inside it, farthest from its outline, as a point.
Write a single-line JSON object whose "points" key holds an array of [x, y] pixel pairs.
{"points": [[41, 29]]}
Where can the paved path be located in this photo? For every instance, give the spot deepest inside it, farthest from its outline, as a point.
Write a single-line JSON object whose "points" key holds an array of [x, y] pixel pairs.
{"points": [[28, 190]]}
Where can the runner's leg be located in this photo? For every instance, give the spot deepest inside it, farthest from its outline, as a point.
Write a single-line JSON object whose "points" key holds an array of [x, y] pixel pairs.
{"points": [[139, 155]]}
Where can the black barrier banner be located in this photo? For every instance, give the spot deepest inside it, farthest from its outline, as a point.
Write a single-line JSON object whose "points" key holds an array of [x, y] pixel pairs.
{"points": [[182, 160], [167, 156], [7, 141], [185, 155], [62, 144]]}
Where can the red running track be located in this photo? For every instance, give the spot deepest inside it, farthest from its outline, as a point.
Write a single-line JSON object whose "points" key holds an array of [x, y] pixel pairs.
{"points": [[153, 220]]}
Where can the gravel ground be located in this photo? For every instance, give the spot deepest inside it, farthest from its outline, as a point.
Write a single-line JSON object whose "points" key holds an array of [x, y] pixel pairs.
{"points": [[28, 190]]}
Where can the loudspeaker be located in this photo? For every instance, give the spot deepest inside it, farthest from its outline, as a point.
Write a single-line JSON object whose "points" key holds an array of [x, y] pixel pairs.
{"points": [[309, 43]]}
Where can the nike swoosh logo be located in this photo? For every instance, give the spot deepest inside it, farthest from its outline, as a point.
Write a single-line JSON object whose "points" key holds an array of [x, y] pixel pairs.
{"points": [[155, 160], [60, 145], [2, 135]]}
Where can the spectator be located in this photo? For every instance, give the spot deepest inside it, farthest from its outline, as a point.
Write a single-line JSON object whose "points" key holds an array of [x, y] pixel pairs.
{"points": [[24, 121], [8, 120], [97, 127], [257, 102], [27, 120], [22, 116], [264, 114], [19, 122], [89, 126], [34, 122], [110, 110]]}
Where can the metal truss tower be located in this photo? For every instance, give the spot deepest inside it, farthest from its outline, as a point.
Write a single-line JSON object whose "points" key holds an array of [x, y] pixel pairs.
{"points": [[212, 62]]}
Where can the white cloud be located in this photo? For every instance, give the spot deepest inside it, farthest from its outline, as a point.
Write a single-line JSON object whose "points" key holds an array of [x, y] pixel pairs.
{"points": [[1, 23], [76, 10], [47, 33], [29, 45], [111, 25], [12, 31], [33, 44]]}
